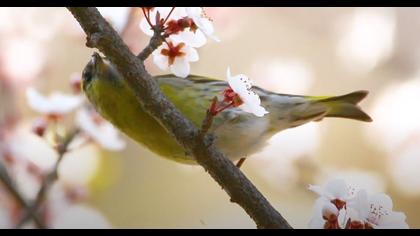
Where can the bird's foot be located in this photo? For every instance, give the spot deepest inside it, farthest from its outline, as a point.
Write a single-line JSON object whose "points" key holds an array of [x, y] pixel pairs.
{"points": [[240, 162]]}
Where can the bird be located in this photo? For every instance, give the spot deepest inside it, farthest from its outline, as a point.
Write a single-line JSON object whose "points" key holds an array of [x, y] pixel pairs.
{"points": [[238, 134]]}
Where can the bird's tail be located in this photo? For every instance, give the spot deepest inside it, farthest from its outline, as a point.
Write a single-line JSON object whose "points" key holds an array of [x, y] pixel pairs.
{"points": [[345, 106]]}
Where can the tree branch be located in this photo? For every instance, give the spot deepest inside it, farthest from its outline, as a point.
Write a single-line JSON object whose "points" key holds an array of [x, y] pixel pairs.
{"points": [[48, 181], [11, 188], [102, 36]]}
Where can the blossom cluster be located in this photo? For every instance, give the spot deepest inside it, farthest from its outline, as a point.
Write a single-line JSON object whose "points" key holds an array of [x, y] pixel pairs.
{"points": [[56, 106], [184, 30], [343, 206]]}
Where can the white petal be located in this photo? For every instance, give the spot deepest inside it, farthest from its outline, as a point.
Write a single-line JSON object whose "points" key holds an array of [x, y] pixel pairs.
{"points": [[163, 11], [240, 84], [381, 199], [194, 11], [190, 38], [395, 220], [145, 27], [181, 67], [104, 133], [260, 111], [56, 103], [161, 61], [337, 188], [317, 222], [361, 204], [316, 189], [191, 54], [62, 104], [342, 218], [206, 26], [329, 209], [36, 100], [228, 74]]}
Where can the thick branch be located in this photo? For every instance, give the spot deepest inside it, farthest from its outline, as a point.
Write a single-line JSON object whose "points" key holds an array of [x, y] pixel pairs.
{"points": [[102, 36]]}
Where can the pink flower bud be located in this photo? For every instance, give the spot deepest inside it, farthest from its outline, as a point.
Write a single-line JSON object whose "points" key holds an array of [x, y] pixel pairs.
{"points": [[76, 83], [39, 126]]}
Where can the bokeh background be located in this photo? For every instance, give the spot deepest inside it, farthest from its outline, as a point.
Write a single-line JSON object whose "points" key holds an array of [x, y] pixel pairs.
{"points": [[311, 51]]}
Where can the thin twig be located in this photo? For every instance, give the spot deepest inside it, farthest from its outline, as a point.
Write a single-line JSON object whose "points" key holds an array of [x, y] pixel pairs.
{"points": [[102, 36], [11, 188], [154, 43], [208, 120], [49, 179]]}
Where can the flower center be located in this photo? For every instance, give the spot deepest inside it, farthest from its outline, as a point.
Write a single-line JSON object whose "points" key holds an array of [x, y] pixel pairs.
{"points": [[231, 97], [173, 51], [338, 203]]}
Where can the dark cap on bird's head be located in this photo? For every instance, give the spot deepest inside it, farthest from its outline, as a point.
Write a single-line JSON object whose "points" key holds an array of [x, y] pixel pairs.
{"points": [[95, 65]]}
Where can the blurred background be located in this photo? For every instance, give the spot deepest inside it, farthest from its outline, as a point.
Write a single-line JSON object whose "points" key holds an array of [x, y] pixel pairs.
{"points": [[311, 51]]}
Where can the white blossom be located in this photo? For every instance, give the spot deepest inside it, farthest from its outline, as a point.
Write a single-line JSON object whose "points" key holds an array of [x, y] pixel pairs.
{"points": [[177, 58], [55, 104], [202, 21], [176, 14], [241, 85], [335, 189], [193, 37], [102, 132], [376, 210], [343, 206]]}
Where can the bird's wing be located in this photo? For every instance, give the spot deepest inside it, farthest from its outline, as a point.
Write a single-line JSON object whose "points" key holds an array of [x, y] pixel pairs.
{"points": [[193, 96]]}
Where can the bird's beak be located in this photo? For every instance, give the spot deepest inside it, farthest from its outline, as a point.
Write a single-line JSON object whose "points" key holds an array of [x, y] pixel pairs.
{"points": [[96, 59]]}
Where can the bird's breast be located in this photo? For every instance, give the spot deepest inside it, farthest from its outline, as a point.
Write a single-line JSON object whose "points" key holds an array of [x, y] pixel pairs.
{"points": [[242, 139]]}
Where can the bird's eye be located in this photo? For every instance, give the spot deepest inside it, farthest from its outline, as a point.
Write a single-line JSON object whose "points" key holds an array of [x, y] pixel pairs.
{"points": [[87, 75]]}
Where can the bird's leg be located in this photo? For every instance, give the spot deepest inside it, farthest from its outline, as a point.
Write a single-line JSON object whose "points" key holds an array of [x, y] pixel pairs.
{"points": [[240, 162]]}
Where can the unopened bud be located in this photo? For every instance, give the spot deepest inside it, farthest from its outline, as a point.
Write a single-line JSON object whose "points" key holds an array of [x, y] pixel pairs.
{"points": [[76, 83], [329, 212], [39, 126]]}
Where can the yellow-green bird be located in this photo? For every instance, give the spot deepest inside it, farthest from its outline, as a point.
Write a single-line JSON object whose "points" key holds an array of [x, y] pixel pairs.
{"points": [[239, 134]]}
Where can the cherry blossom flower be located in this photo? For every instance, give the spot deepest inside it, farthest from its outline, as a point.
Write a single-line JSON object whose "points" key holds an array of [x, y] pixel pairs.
{"points": [[175, 57], [341, 206], [187, 25], [202, 22], [56, 104], [326, 215], [249, 101], [99, 130], [336, 190], [177, 13], [375, 211]]}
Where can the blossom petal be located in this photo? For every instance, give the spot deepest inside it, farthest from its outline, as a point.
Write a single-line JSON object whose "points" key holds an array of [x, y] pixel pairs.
{"points": [[381, 199], [103, 133], [191, 54], [197, 39], [337, 188], [395, 220], [316, 189], [160, 60], [145, 27], [56, 103], [180, 68]]}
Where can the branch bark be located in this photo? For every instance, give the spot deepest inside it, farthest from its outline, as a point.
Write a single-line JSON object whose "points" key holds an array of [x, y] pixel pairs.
{"points": [[11, 188], [48, 181], [102, 36]]}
